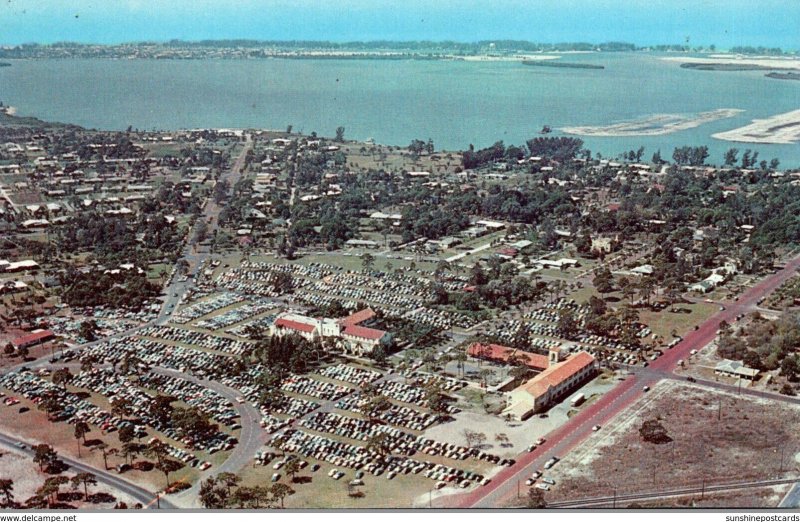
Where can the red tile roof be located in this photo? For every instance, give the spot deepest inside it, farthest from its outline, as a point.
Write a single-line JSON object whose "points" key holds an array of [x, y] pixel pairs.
{"points": [[30, 339], [553, 376], [295, 325], [496, 352], [358, 317], [363, 332]]}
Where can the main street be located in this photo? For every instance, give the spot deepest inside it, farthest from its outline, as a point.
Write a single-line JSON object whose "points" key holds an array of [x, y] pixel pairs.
{"points": [[578, 429]]}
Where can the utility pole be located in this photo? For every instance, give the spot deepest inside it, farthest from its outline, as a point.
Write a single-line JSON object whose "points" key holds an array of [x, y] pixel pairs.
{"points": [[703, 489], [518, 487], [614, 505]]}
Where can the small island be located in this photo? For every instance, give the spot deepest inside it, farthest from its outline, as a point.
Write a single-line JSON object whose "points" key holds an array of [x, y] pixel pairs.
{"points": [[563, 65], [707, 66], [783, 76]]}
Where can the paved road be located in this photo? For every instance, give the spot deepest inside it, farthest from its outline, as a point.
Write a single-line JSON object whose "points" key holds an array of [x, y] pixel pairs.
{"points": [[504, 486], [792, 498], [147, 498], [251, 437]]}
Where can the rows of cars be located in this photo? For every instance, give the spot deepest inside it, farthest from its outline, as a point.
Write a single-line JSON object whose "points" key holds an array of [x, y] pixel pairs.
{"points": [[236, 315], [350, 374], [343, 454], [206, 306], [396, 415], [194, 338]]}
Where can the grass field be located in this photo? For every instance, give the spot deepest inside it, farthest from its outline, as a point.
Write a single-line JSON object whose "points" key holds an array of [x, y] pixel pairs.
{"points": [[664, 322], [322, 492]]}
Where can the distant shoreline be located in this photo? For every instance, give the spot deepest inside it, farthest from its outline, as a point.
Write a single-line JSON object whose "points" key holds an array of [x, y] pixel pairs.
{"points": [[561, 65]]}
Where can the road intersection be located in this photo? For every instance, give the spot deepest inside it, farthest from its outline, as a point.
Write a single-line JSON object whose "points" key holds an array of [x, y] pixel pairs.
{"points": [[602, 412]]}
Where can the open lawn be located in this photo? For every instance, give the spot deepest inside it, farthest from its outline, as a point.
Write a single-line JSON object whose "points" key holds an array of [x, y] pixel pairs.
{"points": [[322, 492], [684, 319]]}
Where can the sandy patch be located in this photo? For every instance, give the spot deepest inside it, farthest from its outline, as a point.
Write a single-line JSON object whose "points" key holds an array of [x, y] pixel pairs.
{"points": [[27, 479], [654, 125], [781, 129]]}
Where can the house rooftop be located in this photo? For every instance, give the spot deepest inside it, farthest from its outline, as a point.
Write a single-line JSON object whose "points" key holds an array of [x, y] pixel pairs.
{"points": [[554, 375], [363, 332], [358, 317], [497, 352], [294, 325]]}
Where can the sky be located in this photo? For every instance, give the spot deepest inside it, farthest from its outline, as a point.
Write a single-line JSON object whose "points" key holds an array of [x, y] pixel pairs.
{"points": [[725, 23]]}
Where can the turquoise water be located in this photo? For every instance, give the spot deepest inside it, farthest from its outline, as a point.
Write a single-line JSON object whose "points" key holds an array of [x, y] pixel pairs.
{"points": [[455, 103]]}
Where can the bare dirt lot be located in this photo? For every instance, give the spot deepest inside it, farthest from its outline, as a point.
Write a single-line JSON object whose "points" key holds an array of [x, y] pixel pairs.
{"points": [[711, 436]]}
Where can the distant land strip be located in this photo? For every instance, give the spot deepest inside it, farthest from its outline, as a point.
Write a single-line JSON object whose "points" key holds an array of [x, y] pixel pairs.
{"points": [[562, 65], [784, 76], [731, 67]]}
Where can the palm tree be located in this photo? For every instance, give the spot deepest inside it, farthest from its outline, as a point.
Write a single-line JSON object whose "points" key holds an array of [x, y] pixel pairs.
{"points": [[81, 429], [280, 491], [86, 479], [167, 466], [646, 287], [103, 447], [292, 468], [379, 444], [367, 261]]}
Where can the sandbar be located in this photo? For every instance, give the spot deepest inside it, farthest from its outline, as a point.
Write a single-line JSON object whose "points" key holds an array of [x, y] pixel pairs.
{"points": [[654, 125], [783, 129]]}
